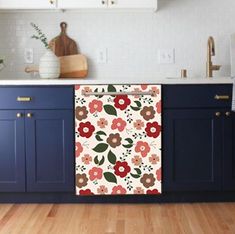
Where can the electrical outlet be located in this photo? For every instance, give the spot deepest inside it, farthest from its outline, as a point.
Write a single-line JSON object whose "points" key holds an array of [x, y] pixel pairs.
{"points": [[28, 55], [102, 56], [166, 56]]}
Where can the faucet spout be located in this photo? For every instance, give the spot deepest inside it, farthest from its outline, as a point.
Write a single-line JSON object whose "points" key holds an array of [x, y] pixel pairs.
{"points": [[211, 52]]}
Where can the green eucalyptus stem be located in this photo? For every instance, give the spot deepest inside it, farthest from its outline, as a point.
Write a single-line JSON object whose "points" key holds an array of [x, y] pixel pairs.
{"points": [[40, 36]]}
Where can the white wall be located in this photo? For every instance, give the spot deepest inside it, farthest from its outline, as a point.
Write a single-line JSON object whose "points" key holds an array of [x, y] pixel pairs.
{"points": [[132, 38]]}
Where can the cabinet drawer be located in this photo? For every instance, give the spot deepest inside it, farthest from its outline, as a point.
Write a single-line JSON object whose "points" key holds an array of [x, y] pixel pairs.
{"points": [[36, 97], [195, 96]]}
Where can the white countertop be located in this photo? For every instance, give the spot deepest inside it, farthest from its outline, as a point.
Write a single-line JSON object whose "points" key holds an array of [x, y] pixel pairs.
{"points": [[173, 81]]}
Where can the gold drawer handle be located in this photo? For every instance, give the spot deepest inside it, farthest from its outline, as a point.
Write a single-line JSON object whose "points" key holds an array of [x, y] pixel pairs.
{"points": [[24, 99], [222, 97]]}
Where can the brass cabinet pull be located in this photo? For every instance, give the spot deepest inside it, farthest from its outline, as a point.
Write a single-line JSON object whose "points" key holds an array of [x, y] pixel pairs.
{"points": [[19, 115], [222, 97], [29, 115], [24, 99], [217, 114], [228, 113]]}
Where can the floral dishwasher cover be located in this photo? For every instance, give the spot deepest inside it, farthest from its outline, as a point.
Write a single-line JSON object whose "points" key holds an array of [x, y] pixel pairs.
{"points": [[118, 139]]}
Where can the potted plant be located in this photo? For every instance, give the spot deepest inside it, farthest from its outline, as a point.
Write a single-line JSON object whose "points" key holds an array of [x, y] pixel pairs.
{"points": [[49, 66]]}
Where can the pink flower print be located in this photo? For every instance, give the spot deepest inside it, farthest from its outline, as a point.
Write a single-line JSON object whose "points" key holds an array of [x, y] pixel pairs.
{"points": [[86, 90], [138, 124], [154, 159], [102, 190], [136, 160], [159, 174], [155, 91], [118, 190], [159, 107], [136, 90], [79, 149], [86, 159], [119, 124], [102, 122], [143, 148], [138, 190], [95, 173], [144, 87], [95, 106], [77, 87]]}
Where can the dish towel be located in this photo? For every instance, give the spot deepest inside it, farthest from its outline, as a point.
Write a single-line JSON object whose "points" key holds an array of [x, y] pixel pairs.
{"points": [[233, 98]]}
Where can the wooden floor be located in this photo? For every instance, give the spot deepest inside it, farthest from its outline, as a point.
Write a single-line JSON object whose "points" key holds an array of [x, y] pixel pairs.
{"points": [[118, 219]]}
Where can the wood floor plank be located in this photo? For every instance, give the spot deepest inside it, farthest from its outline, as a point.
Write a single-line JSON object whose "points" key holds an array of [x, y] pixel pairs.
{"points": [[205, 218]]}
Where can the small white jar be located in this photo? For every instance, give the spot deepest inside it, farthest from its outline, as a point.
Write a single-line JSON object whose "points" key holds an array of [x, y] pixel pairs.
{"points": [[49, 66]]}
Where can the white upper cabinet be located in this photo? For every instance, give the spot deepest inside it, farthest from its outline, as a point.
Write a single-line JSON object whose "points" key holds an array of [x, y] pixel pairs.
{"points": [[82, 4], [27, 4], [135, 4]]}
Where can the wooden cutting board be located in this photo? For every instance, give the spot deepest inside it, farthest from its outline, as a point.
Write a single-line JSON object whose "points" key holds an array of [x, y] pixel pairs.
{"points": [[72, 66], [63, 45]]}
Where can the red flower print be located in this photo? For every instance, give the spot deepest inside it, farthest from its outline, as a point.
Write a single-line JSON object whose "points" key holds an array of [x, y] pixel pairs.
{"points": [[86, 129], [102, 122], [118, 190], [95, 106], [86, 90], [138, 124], [153, 129], [86, 192], [122, 102], [119, 124], [138, 190], [159, 107], [136, 160], [77, 87], [121, 169], [102, 190], [143, 148], [154, 159], [159, 174], [86, 159], [79, 149], [144, 87], [155, 91], [154, 191], [95, 173]]}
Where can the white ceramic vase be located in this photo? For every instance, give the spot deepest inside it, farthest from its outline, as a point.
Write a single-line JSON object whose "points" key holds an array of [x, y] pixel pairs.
{"points": [[49, 66]]}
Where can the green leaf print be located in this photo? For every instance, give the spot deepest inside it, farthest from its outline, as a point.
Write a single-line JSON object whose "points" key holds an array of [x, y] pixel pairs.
{"points": [[112, 157], [130, 141], [110, 177], [111, 88], [135, 176], [101, 161], [98, 138], [110, 110], [101, 133], [100, 148], [137, 107], [96, 160]]}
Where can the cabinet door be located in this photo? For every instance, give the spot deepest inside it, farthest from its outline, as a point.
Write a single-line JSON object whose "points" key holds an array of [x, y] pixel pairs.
{"points": [[12, 152], [73, 4], [49, 150], [192, 150], [229, 153], [27, 4], [133, 4]]}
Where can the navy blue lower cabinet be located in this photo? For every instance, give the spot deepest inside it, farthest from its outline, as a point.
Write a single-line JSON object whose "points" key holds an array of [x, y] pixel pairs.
{"points": [[192, 142], [229, 152], [49, 150], [12, 151]]}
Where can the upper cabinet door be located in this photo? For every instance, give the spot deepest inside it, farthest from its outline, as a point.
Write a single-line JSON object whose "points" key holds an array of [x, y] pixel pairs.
{"points": [[77, 4], [122, 4], [28, 4]]}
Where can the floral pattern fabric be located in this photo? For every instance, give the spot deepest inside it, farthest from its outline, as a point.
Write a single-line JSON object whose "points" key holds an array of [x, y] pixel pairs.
{"points": [[118, 140]]}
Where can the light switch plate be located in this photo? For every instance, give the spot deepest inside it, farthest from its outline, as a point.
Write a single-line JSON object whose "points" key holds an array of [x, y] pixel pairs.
{"points": [[102, 55], [28, 55], [166, 56]]}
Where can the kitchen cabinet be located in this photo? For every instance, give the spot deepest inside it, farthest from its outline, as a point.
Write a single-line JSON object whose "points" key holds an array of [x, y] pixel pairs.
{"points": [[36, 141], [107, 4], [118, 139], [198, 138], [28, 4]]}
